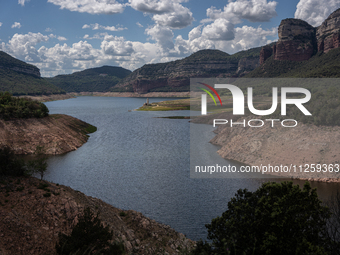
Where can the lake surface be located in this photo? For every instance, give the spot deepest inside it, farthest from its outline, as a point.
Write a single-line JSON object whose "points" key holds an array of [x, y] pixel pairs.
{"points": [[139, 162]]}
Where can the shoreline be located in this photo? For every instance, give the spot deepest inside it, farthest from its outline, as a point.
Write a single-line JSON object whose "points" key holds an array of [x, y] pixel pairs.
{"points": [[131, 94]]}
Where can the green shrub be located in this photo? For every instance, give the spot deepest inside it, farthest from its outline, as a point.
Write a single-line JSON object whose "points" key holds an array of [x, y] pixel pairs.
{"points": [[89, 236]]}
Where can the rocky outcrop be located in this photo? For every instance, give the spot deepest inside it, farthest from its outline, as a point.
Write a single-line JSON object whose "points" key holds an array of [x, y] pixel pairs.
{"points": [[30, 220], [296, 41], [56, 134], [175, 75], [246, 65], [265, 53], [328, 33], [299, 41]]}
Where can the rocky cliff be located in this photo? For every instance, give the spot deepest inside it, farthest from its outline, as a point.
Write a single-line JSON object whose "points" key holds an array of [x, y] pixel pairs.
{"points": [[299, 41], [30, 220], [328, 34], [175, 76], [57, 134], [296, 42]]}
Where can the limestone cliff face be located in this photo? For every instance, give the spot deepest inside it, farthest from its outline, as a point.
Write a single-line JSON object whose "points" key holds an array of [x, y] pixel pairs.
{"points": [[296, 41], [299, 41], [57, 134], [175, 75], [328, 34]]}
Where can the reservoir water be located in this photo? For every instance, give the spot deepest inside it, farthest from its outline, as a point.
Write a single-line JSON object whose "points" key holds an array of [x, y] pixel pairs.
{"points": [[139, 162]]}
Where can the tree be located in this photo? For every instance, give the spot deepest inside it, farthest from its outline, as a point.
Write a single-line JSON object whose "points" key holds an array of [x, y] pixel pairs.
{"points": [[89, 236], [9, 165], [38, 165], [278, 218]]}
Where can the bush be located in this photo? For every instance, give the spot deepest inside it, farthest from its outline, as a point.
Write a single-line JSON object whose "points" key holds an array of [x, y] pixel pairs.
{"points": [[13, 107], [89, 236], [278, 218], [9, 165]]}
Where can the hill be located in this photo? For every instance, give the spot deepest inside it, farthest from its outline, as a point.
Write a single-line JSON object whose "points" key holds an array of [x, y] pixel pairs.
{"points": [[175, 76], [20, 78], [99, 79]]}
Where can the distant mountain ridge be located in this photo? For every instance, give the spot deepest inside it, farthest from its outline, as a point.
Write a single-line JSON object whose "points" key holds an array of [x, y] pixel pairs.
{"points": [[175, 75], [99, 79], [20, 78]]}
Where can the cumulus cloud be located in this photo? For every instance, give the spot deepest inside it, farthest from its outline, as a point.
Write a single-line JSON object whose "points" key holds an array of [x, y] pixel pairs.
{"points": [[315, 11], [116, 46], [90, 6], [220, 29], [16, 25], [162, 35], [62, 38], [180, 18], [155, 6], [251, 10], [96, 26], [168, 13], [22, 2]]}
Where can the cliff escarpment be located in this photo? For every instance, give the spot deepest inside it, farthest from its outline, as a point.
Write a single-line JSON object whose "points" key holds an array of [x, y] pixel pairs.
{"points": [[56, 134], [299, 41], [10, 63], [175, 76]]}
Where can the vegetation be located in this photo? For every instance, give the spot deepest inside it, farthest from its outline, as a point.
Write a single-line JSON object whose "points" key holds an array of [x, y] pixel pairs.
{"points": [[99, 79], [20, 78], [89, 236], [12, 107], [320, 65], [9, 165], [278, 218]]}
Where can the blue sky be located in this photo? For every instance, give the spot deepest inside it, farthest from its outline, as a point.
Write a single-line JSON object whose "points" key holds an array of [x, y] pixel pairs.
{"points": [[64, 36]]}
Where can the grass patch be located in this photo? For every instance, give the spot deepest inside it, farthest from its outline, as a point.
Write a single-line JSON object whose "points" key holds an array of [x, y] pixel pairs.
{"points": [[90, 129]]}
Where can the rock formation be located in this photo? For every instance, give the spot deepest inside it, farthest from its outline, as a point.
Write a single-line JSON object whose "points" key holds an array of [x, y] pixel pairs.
{"points": [[175, 75], [299, 41], [328, 34], [296, 41]]}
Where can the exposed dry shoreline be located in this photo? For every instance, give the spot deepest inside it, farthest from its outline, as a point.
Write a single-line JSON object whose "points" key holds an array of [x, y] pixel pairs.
{"points": [[56, 134], [132, 94], [30, 220], [276, 146]]}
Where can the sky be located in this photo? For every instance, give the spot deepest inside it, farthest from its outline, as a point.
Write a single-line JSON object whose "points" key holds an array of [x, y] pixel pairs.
{"points": [[65, 36]]}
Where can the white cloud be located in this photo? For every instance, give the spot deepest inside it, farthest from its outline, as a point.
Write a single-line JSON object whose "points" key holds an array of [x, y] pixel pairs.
{"points": [[155, 6], [116, 46], [162, 35], [315, 11], [62, 38], [179, 18], [96, 26], [167, 13], [251, 10], [139, 24], [220, 29], [22, 2], [16, 25], [0, 24], [48, 29], [90, 6]]}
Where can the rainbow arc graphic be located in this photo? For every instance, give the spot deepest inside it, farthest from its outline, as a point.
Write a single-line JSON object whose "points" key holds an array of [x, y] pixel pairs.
{"points": [[204, 97]]}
